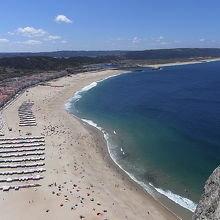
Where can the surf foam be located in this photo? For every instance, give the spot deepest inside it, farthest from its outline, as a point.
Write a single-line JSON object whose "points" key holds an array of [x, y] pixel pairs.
{"points": [[79, 93], [184, 202]]}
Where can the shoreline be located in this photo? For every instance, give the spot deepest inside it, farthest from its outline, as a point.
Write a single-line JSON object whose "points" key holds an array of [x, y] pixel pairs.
{"points": [[67, 142], [158, 194], [159, 65], [89, 77]]}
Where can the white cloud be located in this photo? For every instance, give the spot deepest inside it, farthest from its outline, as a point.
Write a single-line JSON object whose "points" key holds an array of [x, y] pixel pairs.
{"points": [[31, 32], [159, 39], [164, 43], [62, 18], [53, 37], [136, 40], [11, 33], [202, 40], [3, 40], [30, 42], [119, 39], [63, 41]]}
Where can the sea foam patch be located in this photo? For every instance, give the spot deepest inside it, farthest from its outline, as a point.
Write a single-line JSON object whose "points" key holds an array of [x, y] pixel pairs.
{"points": [[184, 202], [92, 123], [79, 93]]}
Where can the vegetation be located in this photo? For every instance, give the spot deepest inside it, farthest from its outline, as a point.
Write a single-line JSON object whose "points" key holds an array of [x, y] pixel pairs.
{"points": [[20, 72], [20, 65], [145, 54], [65, 54], [49, 63], [178, 53]]}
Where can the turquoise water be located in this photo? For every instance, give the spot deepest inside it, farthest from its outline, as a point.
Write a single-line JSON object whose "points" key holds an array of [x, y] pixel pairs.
{"points": [[162, 126]]}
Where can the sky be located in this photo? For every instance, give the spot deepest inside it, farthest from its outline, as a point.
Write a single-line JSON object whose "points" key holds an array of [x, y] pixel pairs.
{"points": [[50, 25]]}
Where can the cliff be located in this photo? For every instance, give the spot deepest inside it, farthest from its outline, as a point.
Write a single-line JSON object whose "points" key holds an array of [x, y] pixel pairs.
{"points": [[209, 204]]}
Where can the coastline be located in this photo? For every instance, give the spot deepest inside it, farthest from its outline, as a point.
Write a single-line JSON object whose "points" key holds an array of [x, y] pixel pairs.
{"points": [[181, 206], [181, 63], [68, 161]]}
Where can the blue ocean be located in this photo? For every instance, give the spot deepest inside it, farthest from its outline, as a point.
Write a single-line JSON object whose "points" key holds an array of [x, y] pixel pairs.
{"points": [[162, 127]]}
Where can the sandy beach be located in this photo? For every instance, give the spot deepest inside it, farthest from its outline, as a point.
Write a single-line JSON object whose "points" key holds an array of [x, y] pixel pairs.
{"points": [[182, 63], [80, 181]]}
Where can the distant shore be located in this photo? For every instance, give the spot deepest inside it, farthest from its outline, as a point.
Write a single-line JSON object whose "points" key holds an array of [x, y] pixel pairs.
{"points": [[181, 63]]}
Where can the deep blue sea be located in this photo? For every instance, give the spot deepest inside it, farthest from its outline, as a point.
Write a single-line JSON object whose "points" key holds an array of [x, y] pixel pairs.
{"points": [[162, 127]]}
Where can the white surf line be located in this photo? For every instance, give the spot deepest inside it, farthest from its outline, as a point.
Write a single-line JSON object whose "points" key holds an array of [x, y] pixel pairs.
{"points": [[181, 201], [22, 145], [22, 178], [39, 170], [22, 155], [75, 98], [78, 94], [21, 150], [17, 187], [21, 165], [22, 159]]}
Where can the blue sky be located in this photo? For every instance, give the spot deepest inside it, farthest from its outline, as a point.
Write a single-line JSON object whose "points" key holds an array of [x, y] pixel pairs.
{"points": [[49, 25]]}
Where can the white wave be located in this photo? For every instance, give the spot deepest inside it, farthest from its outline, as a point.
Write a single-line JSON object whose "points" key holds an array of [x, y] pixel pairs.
{"points": [[92, 124], [182, 201], [122, 151], [90, 86], [68, 104], [78, 94]]}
